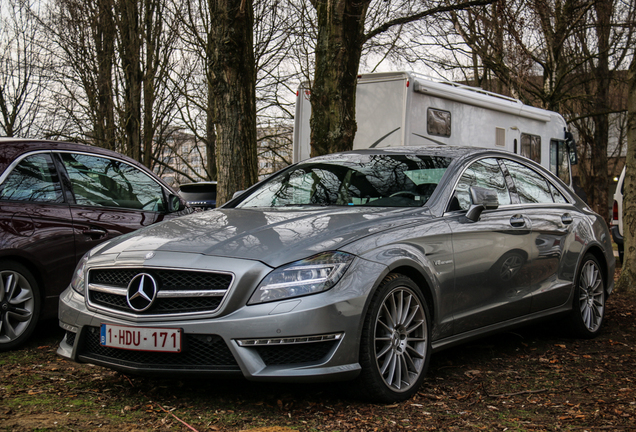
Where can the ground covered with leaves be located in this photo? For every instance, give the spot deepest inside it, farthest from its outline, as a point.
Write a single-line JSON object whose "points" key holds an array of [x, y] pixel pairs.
{"points": [[532, 379]]}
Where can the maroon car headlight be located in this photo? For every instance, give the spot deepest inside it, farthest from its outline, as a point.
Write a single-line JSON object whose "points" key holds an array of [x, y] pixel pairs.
{"points": [[78, 281], [309, 276]]}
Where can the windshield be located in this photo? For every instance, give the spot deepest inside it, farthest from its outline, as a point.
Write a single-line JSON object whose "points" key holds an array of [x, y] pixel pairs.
{"points": [[341, 180]]}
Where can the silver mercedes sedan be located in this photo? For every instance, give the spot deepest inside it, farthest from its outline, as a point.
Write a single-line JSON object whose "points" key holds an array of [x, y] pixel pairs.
{"points": [[351, 266]]}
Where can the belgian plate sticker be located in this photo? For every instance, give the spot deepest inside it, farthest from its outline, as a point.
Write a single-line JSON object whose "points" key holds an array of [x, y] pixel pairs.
{"points": [[141, 338]]}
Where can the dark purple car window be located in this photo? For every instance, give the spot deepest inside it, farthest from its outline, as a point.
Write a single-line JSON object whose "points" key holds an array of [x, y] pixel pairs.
{"points": [[33, 179]]}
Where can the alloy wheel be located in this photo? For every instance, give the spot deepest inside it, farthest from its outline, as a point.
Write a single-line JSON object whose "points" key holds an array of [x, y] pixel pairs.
{"points": [[400, 339]]}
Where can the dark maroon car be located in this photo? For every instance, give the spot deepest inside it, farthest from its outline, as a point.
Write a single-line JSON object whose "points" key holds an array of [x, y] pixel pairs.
{"points": [[57, 201]]}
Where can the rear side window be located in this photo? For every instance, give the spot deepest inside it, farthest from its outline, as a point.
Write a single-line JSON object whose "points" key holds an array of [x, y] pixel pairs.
{"points": [[484, 173], [99, 181], [532, 187], [33, 179]]}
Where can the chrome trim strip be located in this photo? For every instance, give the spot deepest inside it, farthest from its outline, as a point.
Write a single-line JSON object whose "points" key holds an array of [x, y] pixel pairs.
{"points": [[191, 293], [289, 341], [107, 289]]}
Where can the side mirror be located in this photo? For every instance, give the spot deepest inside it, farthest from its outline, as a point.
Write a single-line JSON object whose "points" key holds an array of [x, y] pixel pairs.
{"points": [[571, 146], [174, 204], [237, 193], [482, 199]]}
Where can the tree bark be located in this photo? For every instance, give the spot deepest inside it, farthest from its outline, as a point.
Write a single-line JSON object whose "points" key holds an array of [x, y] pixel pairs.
{"points": [[233, 79], [599, 176], [627, 280], [105, 34], [338, 51], [130, 52]]}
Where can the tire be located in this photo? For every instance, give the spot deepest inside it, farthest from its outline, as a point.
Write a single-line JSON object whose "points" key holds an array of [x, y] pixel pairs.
{"points": [[395, 348], [588, 308], [20, 304]]}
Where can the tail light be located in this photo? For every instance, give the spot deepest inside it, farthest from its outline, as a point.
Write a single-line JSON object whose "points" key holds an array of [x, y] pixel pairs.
{"points": [[615, 211]]}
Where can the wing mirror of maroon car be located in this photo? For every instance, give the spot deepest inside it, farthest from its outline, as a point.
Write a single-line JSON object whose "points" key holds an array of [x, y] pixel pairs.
{"points": [[482, 199], [175, 203]]}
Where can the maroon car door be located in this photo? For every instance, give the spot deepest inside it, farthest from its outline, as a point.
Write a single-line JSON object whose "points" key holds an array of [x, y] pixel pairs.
{"points": [[37, 225], [111, 198]]}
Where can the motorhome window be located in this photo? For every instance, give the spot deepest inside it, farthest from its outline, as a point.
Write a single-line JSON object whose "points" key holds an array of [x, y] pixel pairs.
{"points": [[500, 137], [438, 122], [559, 160], [531, 147]]}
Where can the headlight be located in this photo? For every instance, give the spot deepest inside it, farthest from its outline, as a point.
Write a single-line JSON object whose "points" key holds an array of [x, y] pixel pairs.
{"points": [[77, 283], [308, 276]]}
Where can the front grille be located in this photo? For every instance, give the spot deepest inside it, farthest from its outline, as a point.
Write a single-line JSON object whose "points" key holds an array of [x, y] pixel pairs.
{"points": [[169, 279], [178, 291], [200, 352], [295, 353]]}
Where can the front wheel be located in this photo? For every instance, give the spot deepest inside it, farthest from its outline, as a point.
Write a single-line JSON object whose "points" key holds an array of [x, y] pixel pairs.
{"points": [[395, 348], [588, 308], [19, 304]]}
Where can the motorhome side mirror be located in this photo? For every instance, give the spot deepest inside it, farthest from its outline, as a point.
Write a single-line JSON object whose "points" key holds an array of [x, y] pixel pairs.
{"points": [[572, 151], [482, 199], [174, 203]]}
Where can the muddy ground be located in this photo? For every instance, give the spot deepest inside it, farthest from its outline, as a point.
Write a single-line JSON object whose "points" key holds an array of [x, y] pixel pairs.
{"points": [[532, 379]]}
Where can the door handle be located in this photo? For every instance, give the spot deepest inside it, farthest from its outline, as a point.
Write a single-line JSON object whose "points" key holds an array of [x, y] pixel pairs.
{"points": [[95, 233], [517, 221], [567, 219]]}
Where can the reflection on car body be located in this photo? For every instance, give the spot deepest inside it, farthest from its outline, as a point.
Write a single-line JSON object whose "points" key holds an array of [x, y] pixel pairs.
{"points": [[348, 266]]}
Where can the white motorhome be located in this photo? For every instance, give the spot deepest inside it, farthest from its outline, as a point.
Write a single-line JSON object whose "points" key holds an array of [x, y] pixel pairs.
{"points": [[405, 108]]}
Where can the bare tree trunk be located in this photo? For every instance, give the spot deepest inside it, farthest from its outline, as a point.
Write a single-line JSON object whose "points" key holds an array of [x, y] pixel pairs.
{"points": [[210, 121], [627, 281], [338, 50], [601, 100], [210, 136], [233, 78], [130, 51], [105, 34]]}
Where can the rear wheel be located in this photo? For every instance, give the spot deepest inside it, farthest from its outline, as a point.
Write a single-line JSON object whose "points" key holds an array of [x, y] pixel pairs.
{"points": [[19, 304], [395, 347], [588, 309]]}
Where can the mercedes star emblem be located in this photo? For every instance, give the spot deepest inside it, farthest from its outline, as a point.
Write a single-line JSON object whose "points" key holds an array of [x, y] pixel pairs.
{"points": [[141, 292]]}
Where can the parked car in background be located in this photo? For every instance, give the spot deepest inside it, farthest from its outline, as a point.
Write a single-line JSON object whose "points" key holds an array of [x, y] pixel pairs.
{"points": [[347, 266], [617, 215], [57, 201], [199, 195]]}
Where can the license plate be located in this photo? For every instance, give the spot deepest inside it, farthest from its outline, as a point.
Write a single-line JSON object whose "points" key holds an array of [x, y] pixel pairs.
{"points": [[141, 338]]}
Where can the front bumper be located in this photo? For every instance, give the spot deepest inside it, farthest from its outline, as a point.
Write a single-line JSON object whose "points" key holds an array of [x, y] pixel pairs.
{"points": [[309, 338]]}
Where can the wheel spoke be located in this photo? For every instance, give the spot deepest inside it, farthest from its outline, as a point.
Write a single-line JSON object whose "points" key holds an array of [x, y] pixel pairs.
{"points": [[24, 296], [408, 320], [389, 317], [415, 327], [389, 368], [412, 352], [20, 315], [386, 348], [8, 328], [399, 308]]}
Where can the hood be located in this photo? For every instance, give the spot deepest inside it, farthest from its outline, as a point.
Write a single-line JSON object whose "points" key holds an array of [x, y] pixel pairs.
{"points": [[272, 236]]}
